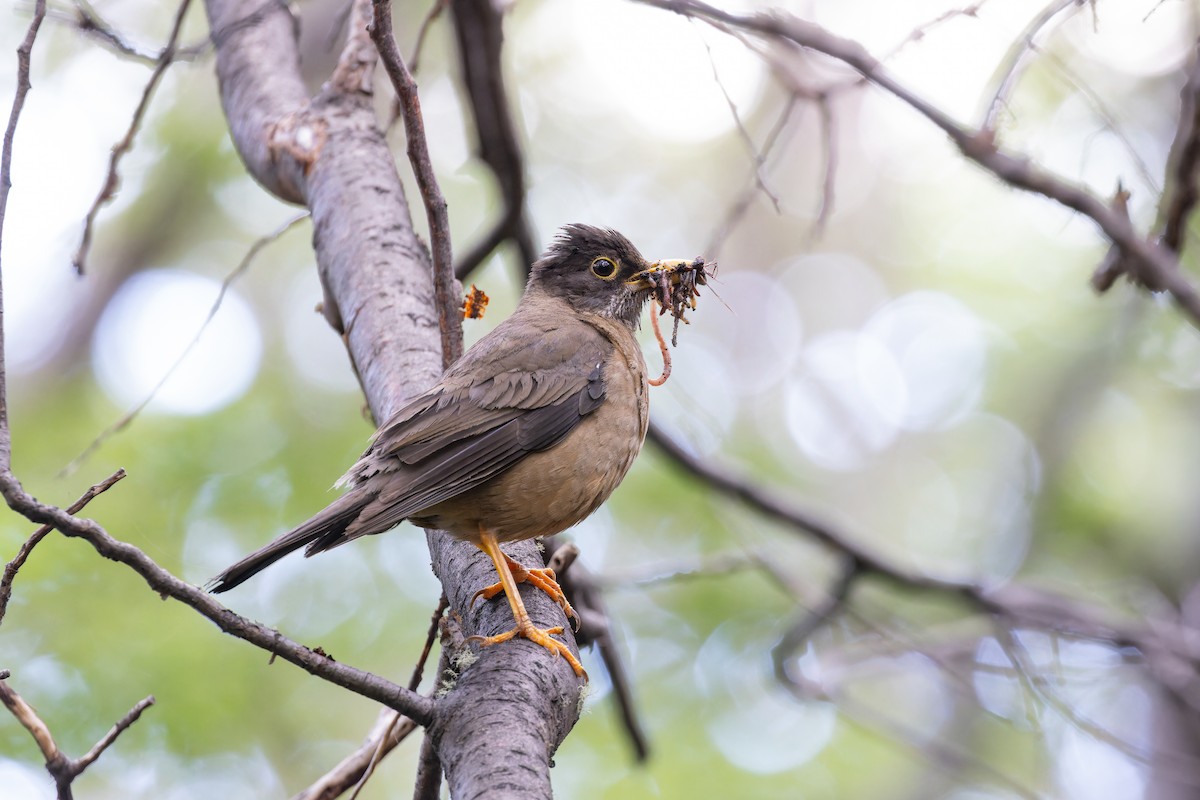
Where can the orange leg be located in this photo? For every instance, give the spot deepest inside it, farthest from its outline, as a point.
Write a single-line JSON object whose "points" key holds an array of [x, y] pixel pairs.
{"points": [[543, 579], [525, 627]]}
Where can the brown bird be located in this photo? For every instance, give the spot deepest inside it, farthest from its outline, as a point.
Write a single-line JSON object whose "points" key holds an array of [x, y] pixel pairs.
{"points": [[525, 435]]}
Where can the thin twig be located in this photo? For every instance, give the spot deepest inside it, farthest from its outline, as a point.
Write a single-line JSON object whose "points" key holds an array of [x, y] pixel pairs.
{"points": [[741, 205], [89, 22], [598, 625], [346, 774], [24, 54], [11, 569], [756, 155], [1010, 70], [682, 570], [829, 170], [807, 624], [444, 283], [62, 769], [918, 33], [428, 783], [30, 721], [952, 757], [435, 620], [1101, 110], [129, 416], [435, 11], [1154, 264], [84, 761], [389, 739], [112, 180]]}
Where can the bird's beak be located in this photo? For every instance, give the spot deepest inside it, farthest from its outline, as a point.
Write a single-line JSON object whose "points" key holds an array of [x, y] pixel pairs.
{"points": [[672, 268]]}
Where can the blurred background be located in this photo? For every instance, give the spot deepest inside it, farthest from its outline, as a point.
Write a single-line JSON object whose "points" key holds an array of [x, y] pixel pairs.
{"points": [[902, 344]]}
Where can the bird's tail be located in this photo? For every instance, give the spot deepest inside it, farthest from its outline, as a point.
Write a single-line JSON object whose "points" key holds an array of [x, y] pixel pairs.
{"points": [[328, 524]]}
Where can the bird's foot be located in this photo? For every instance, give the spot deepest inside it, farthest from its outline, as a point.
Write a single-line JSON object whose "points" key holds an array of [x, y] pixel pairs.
{"points": [[527, 630], [544, 579]]}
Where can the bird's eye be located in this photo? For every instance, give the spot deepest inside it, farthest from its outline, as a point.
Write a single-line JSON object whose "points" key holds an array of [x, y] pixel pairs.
{"points": [[604, 268]]}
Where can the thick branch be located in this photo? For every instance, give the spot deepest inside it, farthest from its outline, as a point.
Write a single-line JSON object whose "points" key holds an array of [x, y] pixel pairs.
{"points": [[379, 292]]}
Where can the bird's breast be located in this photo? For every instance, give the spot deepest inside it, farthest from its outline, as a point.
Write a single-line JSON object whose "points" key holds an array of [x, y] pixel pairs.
{"points": [[551, 490]]}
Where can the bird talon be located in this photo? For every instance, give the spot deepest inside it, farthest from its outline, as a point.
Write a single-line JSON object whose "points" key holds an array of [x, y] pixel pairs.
{"points": [[543, 578], [487, 593], [539, 636]]}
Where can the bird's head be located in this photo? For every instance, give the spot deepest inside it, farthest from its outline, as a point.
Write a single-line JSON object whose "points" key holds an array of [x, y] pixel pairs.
{"points": [[598, 270]]}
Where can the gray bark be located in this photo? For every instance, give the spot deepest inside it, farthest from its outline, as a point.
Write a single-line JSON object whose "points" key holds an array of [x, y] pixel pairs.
{"points": [[497, 730]]}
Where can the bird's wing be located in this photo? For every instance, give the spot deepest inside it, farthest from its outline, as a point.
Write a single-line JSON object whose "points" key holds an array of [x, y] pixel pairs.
{"points": [[522, 394], [507, 375]]}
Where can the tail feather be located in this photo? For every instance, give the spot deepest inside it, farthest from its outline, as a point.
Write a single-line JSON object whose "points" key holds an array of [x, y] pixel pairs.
{"points": [[327, 524]]}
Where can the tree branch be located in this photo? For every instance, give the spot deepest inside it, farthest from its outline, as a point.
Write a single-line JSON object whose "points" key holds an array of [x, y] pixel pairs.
{"points": [[24, 54], [445, 289], [63, 769], [478, 25], [164, 583], [12, 567], [112, 180], [331, 154], [1155, 266]]}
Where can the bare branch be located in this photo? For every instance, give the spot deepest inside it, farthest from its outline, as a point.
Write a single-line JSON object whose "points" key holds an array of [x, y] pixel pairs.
{"points": [[62, 769], [112, 179], [31, 722], [359, 766], [11, 569], [84, 761], [1154, 265], [586, 594], [949, 756], [435, 11], [743, 134], [24, 53], [418, 708], [356, 65], [918, 33], [1009, 73], [444, 283], [1181, 191], [389, 730], [741, 205], [822, 530], [478, 24], [428, 784], [90, 23], [812, 619], [829, 171]]}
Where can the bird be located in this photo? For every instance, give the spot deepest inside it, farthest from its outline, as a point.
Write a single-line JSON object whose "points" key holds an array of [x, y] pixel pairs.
{"points": [[525, 435]]}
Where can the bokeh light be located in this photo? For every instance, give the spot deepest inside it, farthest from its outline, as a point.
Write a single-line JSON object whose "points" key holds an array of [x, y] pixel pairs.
{"points": [[149, 325]]}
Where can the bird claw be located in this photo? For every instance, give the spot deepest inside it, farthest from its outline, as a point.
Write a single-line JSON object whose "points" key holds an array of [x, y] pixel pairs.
{"points": [[539, 636], [543, 579]]}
